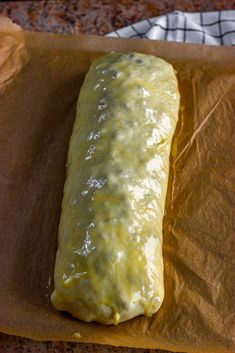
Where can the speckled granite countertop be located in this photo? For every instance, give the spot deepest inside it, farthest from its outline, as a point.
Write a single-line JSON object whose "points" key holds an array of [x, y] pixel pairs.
{"points": [[93, 17], [12, 344], [98, 16]]}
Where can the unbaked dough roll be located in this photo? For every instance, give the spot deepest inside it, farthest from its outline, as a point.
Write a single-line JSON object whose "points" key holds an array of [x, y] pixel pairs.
{"points": [[109, 265]]}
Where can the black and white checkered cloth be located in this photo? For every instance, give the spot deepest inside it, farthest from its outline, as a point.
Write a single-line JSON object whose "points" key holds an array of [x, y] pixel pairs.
{"points": [[214, 28]]}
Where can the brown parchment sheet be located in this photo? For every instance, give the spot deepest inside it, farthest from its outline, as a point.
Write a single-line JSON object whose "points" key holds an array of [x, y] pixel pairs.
{"points": [[40, 78]]}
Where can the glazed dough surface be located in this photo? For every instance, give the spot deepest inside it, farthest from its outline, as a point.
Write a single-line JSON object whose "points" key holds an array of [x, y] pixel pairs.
{"points": [[109, 265]]}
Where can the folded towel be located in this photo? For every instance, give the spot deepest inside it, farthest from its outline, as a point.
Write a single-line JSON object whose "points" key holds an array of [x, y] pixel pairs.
{"points": [[214, 28]]}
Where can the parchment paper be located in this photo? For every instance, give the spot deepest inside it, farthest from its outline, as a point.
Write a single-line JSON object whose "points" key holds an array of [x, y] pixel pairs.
{"points": [[40, 78]]}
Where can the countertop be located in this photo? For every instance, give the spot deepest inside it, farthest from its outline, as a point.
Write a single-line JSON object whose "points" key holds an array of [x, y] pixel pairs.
{"points": [[97, 16], [92, 17]]}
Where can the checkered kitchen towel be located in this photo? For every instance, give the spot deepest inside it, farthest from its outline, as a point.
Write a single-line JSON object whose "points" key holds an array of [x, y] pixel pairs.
{"points": [[214, 28]]}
